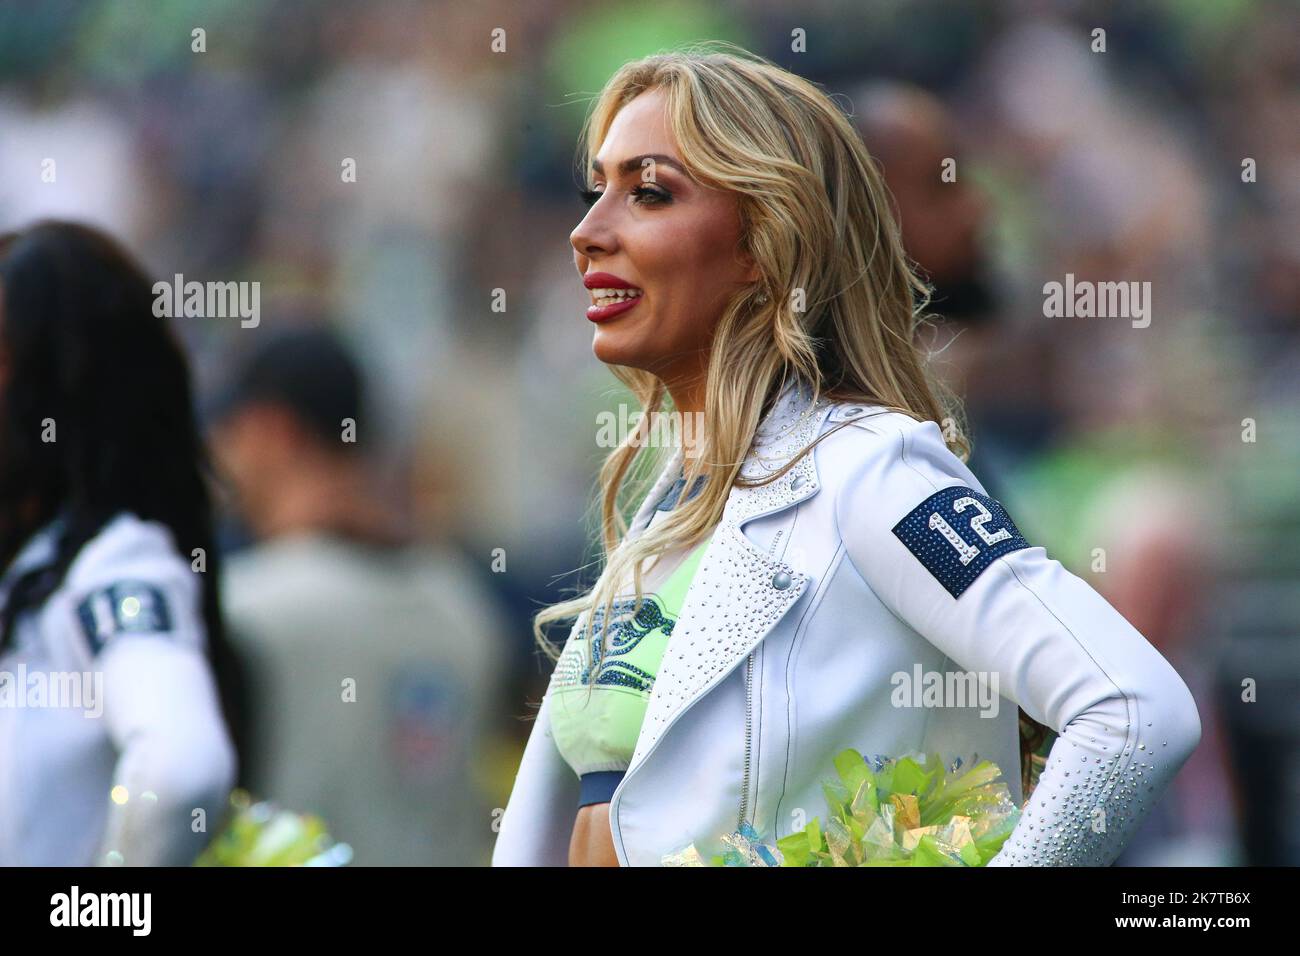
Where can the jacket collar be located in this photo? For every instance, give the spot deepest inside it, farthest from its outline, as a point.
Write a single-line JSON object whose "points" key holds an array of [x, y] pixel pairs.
{"points": [[744, 591], [792, 423]]}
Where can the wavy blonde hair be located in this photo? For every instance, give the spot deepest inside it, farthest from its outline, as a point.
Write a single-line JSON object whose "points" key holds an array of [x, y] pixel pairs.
{"points": [[816, 220]]}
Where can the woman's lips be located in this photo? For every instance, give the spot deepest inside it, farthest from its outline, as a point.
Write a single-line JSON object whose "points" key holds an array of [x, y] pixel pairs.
{"points": [[603, 313]]}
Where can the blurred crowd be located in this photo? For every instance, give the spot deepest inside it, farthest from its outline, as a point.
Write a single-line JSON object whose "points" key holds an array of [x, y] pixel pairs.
{"points": [[438, 283]]}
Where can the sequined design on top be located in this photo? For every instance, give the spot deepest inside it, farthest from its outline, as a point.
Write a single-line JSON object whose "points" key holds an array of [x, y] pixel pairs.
{"points": [[626, 634], [600, 688]]}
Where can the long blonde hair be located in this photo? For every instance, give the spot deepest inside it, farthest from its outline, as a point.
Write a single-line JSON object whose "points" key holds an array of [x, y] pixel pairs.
{"points": [[838, 304]]}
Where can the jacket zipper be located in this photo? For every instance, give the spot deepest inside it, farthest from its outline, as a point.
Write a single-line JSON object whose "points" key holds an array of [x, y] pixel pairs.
{"points": [[749, 715]]}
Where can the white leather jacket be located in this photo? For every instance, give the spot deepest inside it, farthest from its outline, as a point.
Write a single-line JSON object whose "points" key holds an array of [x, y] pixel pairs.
{"points": [[824, 603]]}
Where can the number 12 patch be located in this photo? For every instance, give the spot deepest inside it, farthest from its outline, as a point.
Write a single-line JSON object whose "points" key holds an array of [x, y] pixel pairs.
{"points": [[957, 533]]}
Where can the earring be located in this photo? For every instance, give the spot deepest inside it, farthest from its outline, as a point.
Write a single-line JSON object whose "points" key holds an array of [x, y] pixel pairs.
{"points": [[761, 298]]}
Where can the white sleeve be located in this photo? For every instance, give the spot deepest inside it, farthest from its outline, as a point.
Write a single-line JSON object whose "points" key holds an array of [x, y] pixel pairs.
{"points": [[174, 753], [950, 563], [160, 702], [537, 825]]}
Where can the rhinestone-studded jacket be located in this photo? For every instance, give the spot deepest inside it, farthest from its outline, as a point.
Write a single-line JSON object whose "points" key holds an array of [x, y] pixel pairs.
{"points": [[877, 559]]}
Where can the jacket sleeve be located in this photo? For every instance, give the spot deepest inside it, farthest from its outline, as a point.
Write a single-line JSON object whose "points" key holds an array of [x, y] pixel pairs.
{"points": [[537, 824], [950, 563], [174, 755], [138, 607]]}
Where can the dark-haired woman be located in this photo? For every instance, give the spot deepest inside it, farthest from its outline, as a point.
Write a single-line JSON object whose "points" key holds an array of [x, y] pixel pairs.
{"points": [[113, 744]]}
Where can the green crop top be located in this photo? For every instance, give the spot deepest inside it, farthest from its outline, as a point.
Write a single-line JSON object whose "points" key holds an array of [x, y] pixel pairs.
{"points": [[596, 712]]}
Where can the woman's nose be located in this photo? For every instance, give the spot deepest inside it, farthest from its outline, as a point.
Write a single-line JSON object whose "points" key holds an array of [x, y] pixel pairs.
{"points": [[593, 236]]}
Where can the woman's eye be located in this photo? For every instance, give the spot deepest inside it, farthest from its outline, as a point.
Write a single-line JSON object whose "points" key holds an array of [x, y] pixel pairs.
{"points": [[643, 195], [650, 196]]}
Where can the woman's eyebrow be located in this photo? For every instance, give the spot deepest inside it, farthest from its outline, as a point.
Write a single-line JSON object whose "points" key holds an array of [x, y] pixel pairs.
{"points": [[634, 163]]}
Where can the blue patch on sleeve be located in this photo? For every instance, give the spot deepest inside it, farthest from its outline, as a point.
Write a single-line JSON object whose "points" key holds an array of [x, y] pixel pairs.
{"points": [[957, 533], [125, 607]]}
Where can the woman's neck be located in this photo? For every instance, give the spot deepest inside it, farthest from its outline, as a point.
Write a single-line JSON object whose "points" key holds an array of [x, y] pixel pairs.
{"points": [[687, 393]]}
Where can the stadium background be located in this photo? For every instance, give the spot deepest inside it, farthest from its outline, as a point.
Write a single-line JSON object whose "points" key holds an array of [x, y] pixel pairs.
{"points": [[1173, 447]]}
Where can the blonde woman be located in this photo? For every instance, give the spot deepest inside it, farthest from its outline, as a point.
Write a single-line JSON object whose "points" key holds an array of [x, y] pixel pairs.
{"points": [[819, 549]]}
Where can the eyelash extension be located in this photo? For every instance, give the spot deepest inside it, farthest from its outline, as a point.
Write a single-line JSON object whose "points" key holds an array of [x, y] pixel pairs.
{"points": [[645, 195]]}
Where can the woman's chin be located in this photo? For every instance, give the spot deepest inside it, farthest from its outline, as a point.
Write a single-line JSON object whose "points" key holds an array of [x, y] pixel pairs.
{"points": [[613, 348]]}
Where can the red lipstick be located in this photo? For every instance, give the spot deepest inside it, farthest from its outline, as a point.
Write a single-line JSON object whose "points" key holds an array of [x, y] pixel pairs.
{"points": [[605, 280]]}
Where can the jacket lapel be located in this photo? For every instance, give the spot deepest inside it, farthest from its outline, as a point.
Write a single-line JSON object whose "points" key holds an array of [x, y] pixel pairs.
{"points": [[740, 592]]}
